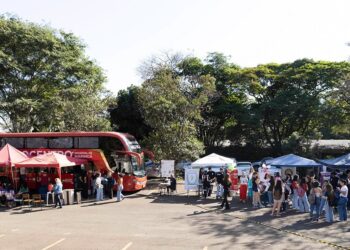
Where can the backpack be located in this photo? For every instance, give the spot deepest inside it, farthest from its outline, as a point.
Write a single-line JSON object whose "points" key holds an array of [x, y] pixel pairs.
{"points": [[312, 198]]}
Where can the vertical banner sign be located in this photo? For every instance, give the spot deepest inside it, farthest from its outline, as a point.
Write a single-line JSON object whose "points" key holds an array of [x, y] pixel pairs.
{"points": [[191, 179], [234, 179], [167, 168]]}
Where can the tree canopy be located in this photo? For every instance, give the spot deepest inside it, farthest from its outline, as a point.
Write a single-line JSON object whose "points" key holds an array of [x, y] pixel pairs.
{"points": [[46, 79], [279, 107], [185, 106]]}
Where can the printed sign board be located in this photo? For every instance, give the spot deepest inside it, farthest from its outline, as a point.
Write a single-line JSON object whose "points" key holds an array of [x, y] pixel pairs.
{"points": [[191, 179], [167, 168]]}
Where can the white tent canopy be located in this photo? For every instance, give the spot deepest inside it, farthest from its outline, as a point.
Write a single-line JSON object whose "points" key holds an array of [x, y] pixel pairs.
{"points": [[213, 160]]}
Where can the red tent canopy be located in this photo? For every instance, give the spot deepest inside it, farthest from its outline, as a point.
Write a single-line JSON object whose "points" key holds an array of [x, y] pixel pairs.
{"points": [[51, 160], [9, 156]]}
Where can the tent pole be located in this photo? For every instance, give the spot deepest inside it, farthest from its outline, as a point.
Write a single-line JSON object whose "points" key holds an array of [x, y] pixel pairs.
{"points": [[13, 179], [59, 171]]}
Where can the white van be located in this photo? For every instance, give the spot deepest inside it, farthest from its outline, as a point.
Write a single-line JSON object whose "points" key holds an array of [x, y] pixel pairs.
{"points": [[243, 166]]}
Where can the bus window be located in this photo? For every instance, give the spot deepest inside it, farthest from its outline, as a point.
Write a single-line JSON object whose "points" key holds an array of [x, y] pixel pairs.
{"points": [[109, 145], [88, 142], [15, 142], [37, 142], [61, 142]]}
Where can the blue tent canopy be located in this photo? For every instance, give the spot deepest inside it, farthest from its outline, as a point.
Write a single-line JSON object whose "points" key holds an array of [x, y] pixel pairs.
{"points": [[341, 161], [292, 160]]}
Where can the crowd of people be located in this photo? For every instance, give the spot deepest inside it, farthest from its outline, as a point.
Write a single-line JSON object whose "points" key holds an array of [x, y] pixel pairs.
{"points": [[304, 194], [101, 186]]}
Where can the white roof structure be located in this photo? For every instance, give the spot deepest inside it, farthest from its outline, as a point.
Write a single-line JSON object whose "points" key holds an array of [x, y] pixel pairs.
{"points": [[213, 160]]}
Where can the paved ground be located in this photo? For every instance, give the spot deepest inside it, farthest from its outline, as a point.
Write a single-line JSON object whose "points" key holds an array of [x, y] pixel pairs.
{"points": [[145, 220]]}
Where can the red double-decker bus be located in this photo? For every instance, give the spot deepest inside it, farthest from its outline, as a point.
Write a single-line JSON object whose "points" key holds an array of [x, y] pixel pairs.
{"points": [[105, 151]]}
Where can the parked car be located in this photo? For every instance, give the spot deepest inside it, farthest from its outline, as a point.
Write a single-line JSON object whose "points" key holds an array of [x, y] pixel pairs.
{"points": [[153, 170], [181, 165], [243, 166]]}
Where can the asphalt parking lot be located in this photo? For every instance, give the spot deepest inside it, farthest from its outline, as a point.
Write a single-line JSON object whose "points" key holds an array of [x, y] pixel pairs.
{"points": [[145, 220]]}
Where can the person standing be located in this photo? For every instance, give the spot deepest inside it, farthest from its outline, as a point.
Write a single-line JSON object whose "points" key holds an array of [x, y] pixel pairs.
{"points": [[120, 196], [330, 198], [172, 186], [323, 197], [211, 175], [277, 197], [294, 186], [219, 183], [93, 183], [348, 185], [315, 201], [58, 193], [303, 203], [250, 183], [343, 199], [255, 187], [110, 185], [226, 185], [270, 190], [243, 186], [334, 180], [206, 184], [99, 188]]}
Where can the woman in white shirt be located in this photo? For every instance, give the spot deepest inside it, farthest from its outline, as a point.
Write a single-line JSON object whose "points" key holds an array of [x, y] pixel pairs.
{"points": [[99, 188], [343, 200]]}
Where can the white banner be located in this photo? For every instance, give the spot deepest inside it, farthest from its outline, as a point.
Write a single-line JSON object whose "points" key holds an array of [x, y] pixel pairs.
{"points": [[191, 179], [167, 168]]}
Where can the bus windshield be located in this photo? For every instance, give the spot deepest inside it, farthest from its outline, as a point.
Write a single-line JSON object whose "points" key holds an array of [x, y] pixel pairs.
{"points": [[138, 170]]}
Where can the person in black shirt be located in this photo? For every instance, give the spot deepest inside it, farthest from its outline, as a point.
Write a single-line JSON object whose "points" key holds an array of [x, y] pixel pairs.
{"points": [[110, 185], [219, 183], [211, 175], [227, 185], [206, 184], [334, 180]]}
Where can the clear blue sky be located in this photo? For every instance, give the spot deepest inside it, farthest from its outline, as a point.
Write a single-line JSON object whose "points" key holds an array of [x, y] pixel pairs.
{"points": [[121, 34]]}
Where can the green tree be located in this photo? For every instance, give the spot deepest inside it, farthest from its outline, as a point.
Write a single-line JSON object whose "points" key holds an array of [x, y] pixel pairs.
{"points": [[289, 98], [46, 80], [172, 115], [225, 106], [127, 117]]}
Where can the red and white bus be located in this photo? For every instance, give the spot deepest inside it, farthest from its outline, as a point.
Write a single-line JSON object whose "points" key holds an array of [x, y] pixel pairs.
{"points": [[105, 151]]}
